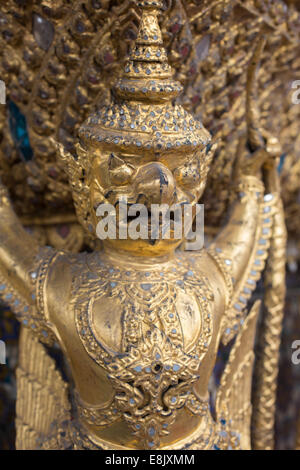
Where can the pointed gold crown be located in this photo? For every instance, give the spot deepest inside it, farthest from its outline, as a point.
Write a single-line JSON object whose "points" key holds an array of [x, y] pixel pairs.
{"points": [[142, 114]]}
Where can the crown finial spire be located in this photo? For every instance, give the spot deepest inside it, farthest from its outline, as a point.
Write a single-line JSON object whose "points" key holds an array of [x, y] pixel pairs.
{"points": [[149, 30], [143, 114], [153, 4], [147, 74]]}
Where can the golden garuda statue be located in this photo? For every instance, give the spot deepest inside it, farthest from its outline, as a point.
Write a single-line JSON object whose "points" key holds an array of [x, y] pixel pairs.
{"points": [[139, 321]]}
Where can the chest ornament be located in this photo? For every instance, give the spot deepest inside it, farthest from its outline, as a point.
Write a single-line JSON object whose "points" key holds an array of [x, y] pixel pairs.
{"points": [[153, 374]]}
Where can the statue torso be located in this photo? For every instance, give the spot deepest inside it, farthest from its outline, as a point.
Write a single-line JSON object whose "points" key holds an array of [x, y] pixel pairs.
{"points": [[145, 338]]}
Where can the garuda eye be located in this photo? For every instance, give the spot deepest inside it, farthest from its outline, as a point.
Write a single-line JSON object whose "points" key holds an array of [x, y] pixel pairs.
{"points": [[119, 172]]}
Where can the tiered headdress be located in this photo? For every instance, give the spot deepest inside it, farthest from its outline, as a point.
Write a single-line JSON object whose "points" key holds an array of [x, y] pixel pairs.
{"points": [[143, 114]]}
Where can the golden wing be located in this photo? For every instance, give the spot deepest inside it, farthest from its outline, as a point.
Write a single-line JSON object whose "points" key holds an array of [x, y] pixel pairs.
{"points": [[41, 393], [234, 394]]}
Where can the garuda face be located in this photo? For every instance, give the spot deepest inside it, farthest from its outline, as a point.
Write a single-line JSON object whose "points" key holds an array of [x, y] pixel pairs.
{"points": [[154, 181]]}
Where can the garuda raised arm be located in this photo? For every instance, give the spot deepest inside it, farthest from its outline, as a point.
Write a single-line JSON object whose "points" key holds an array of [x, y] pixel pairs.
{"points": [[139, 322]]}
